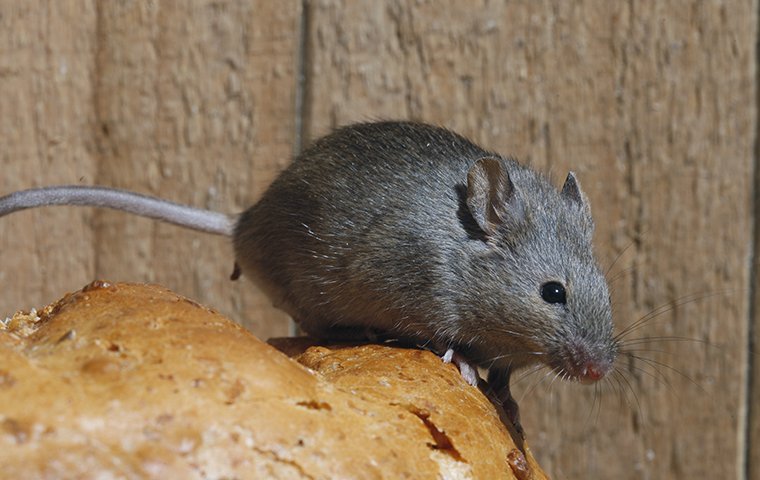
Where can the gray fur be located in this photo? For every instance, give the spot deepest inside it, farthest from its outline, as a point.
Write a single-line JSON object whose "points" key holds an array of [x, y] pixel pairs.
{"points": [[370, 228]]}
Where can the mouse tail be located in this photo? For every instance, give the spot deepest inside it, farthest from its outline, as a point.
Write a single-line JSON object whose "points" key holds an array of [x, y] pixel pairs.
{"points": [[143, 205]]}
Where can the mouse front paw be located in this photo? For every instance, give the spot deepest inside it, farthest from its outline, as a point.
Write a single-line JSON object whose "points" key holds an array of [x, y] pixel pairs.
{"points": [[468, 370]]}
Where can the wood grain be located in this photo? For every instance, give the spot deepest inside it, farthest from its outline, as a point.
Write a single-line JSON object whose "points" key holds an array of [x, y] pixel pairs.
{"points": [[653, 104], [46, 66], [190, 101]]}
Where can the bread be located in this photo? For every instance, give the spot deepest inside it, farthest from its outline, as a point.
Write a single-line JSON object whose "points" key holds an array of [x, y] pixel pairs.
{"points": [[125, 380]]}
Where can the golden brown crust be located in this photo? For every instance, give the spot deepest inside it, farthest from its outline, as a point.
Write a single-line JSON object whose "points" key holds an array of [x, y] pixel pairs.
{"points": [[136, 381]]}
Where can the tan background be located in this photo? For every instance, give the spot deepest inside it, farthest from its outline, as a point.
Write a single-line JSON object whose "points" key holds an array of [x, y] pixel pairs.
{"points": [[203, 102]]}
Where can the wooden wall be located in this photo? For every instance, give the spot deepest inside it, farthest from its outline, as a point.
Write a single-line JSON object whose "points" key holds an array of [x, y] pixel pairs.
{"points": [[652, 103]]}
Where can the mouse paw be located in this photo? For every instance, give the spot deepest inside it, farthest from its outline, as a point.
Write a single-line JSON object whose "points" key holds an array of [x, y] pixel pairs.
{"points": [[469, 371]]}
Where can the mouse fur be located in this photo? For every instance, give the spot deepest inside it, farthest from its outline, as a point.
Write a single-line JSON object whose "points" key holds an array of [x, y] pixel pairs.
{"points": [[370, 228]]}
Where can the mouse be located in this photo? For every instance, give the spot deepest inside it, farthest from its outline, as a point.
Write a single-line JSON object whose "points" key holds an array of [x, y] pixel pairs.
{"points": [[408, 230]]}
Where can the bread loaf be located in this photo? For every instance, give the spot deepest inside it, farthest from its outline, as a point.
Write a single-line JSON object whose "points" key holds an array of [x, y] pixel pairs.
{"points": [[134, 381]]}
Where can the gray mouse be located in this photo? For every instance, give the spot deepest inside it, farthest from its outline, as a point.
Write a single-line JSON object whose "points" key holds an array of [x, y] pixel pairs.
{"points": [[412, 231]]}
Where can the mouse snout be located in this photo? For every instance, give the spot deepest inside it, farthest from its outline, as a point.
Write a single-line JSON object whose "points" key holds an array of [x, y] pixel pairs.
{"points": [[584, 364]]}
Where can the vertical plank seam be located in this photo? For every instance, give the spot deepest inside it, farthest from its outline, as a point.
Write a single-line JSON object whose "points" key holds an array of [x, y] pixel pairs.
{"points": [[747, 467], [99, 135], [302, 84], [300, 78]]}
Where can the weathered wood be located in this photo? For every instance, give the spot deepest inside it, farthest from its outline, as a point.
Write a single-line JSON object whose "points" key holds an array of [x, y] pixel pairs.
{"points": [[209, 121], [753, 363], [190, 101], [46, 65], [651, 103]]}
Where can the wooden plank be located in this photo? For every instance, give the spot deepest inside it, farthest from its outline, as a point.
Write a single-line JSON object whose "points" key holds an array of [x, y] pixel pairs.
{"points": [[652, 104], [46, 61], [208, 120], [190, 101], [753, 395]]}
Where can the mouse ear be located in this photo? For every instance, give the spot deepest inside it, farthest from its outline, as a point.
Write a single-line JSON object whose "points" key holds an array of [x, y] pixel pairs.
{"points": [[491, 195], [572, 191]]}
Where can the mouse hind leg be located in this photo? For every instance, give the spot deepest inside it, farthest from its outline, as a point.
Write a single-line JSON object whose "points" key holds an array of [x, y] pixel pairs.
{"points": [[498, 382]]}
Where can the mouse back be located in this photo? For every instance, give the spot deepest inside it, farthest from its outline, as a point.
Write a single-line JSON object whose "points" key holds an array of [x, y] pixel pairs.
{"points": [[342, 230]]}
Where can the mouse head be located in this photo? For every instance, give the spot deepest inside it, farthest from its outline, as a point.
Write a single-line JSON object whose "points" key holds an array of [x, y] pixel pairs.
{"points": [[541, 278]]}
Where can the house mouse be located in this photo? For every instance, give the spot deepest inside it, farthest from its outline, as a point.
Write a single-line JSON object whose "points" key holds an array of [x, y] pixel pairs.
{"points": [[410, 230]]}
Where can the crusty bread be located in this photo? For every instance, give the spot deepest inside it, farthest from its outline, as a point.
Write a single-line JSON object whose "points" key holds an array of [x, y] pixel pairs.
{"points": [[134, 381]]}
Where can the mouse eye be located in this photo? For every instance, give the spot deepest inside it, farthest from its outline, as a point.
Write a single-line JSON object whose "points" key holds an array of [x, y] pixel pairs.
{"points": [[553, 292]]}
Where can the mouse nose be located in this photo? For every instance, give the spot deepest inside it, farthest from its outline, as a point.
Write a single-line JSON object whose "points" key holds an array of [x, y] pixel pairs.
{"points": [[584, 365], [591, 373]]}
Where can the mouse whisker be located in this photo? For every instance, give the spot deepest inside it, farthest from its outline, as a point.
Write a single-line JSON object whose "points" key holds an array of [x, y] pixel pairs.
{"points": [[528, 372], [618, 257], [666, 338], [655, 375], [613, 383], [621, 274], [511, 333], [624, 380], [537, 381], [590, 414], [648, 350], [508, 332], [598, 393], [664, 308], [556, 376], [657, 364], [496, 358]]}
